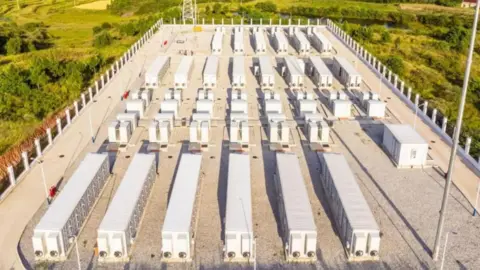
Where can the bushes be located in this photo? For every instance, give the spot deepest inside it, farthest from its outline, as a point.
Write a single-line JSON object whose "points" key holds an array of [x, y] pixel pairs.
{"points": [[395, 63], [16, 39], [101, 40], [266, 6]]}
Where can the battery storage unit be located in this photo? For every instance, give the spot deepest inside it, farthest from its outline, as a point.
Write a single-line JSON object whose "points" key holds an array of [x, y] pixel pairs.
{"points": [[238, 225], [156, 71], [293, 74], [144, 94], [161, 128], [120, 225], [320, 42], [210, 72], [267, 74], [301, 43], [356, 226], [348, 75], [299, 233], [238, 72], [238, 44], [184, 72], [280, 42], [319, 72], [137, 106], [177, 228], [119, 132], [217, 43], [65, 216], [260, 44], [405, 146]]}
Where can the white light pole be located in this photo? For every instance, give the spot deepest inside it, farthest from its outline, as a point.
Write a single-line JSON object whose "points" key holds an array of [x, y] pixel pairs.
{"points": [[416, 112], [444, 250], [91, 125], [73, 239], [475, 206], [456, 136], [44, 181]]}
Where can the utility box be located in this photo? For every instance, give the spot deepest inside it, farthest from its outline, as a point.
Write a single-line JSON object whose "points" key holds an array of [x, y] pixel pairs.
{"points": [[170, 106], [204, 106], [376, 108], [210, 72], [319, 72], [405, 146], [318, 130], [347, 73], [294, 74], [156, 71], [280, 42], [279, 131], [205, 94], [342, 108], [145, 95], [239, 105], [161, 128], [217, 42], [119, 132], [173, 94], [273, 106], [129, 117], [238, 72], [320, 42], [136, 106], [267, 74], [259, 42], [301, 43], [239, 131], [238, 46], [199, 131], [306, 106], [183, 73]]}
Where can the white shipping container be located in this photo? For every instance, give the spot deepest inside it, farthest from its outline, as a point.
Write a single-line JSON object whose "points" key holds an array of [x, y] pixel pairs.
{"points": [[301, 43], [294, 75], [351, 214], [348, 75], [204, 106], [299, 232], [238, 72], [342, 108], [239, 105], [177, 227], [210, 72], [272, 106], [170, 106], [238, 225], [376, 108], [405, 146], [217, 43], [157, 71], [267, 74], [319, 72], [67, 213], [136, 106], [280, 42], [238, 43], [320, 42], [306, 106], [121, 221], [184, 72], [260, 44]]}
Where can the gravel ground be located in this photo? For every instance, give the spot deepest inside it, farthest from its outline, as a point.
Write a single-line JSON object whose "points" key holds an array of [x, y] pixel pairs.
{"points": [[405, 202]]}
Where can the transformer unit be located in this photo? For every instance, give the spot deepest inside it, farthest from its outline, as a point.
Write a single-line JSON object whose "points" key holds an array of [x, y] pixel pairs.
{"points": [[217, 43], [200, 128], [118, 229], [279, 131], [161, 128], [294, 74], [239, 226], [239, 130], [119, 132], [184, 72], [268, 94], [319, 72], [238, 94], [317, 129], [137, 106], [280, 42], [210, 72], [65, 216], [306, 106], [205, 94], [238, 46], [238, 72], [173, 94], [341, 107], [267, 75], [170, 106], [299, 233], [348, 75], [320, 42], [372, 103], [204, 106], [129, 117], [272, 106], [177, 227], [157, 71], [260, 44], [405, 146], [351, 214], [145, 95], [239, 105], [301, 43]]}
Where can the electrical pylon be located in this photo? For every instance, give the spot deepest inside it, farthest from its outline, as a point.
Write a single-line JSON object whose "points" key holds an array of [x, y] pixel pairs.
{"points": [[189, 10]]}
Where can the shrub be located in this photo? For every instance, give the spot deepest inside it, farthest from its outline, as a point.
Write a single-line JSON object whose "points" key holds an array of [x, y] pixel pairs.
{"points": [[268, 6], [103, 39], [14, 45]]}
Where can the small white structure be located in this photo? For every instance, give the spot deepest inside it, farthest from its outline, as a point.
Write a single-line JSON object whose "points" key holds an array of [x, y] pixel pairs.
{"points": [[259, 41], [129, 117], [238, 94], [205, 94], [217, 42], [184, 72], [238, 46], [238, 106], [204, 106], [144, 94], [294, 72], [279, 131], [342, 108], [306, 106], [238, 72], [239, 130], [119, 132], [157, 71], [280, 42], [210, 72], [405, 146], [376, 108], [173, 94], [161, 128], [317, 129], [301, 43], [319, 72], [320, 42], [348, 75], [200, 128], [268, 94], [267, 75], [136, 106], [272, 106], [170, 106]]}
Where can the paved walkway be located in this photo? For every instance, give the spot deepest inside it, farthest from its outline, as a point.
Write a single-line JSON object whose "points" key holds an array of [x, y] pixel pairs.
{"points": [[17, 209]]}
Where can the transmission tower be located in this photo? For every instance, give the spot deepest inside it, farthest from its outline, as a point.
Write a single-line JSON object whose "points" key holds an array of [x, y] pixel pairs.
{"points": [[189, 10]]}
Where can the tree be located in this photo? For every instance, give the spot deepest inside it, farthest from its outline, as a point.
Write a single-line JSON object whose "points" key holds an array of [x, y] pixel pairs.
{"points": [[207, 10], [216, 8], [395, 63], [14, 45], [397, 43], [268, 6], [103, 39], [386, 37]]}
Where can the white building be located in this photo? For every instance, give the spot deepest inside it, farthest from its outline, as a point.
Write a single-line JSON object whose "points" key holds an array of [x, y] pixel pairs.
{"points": [[157, 71], [347, 73], [210, 72], [184, 72], [405, 146]]}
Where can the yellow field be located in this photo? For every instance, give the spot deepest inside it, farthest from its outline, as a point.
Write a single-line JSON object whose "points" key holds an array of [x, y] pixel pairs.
{"points": [[435, 8], [97, 5]]}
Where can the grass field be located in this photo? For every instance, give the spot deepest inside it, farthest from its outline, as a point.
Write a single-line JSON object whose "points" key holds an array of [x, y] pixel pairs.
{"points": [[97, 5]]}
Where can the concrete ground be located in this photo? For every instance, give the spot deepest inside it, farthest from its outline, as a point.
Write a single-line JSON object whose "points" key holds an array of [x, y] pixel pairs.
{"points": [[405, 203]]}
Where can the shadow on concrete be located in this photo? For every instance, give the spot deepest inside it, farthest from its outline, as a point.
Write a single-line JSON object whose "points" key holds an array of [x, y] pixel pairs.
{"points": [[222, 186]]}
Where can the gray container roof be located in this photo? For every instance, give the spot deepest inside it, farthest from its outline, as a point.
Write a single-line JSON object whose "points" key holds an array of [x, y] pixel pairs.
{"points": [[260, 39], [354, 204], [239, 201], [321, 37], [211, 66], [292, 65], [124, 202], [320, 66], [300, 36], [184, 66], [238, 66], [347, 66], [405, 134], [238, 39], [157, 65], [182, 199], [297, 205], [62, 207], [281, 39], [217, 39], [265, 65]]}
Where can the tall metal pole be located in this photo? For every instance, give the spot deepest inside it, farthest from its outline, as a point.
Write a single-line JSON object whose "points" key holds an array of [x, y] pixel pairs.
{"points": [[91, 125], [475, 206], [444, 251], [456, 136], [44, 181]]}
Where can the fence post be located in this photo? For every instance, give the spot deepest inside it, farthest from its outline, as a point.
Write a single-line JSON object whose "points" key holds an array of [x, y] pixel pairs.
{"points": [[434, 116], [59, 126], [409, 93], [402, 86], [468, 142], [26, 162], [67, 113], [444, 124], [270, 21], [96, 86], [425, 107], [84, 102], [11, 175], [38, 147], [90, 94], [75, 104], [49, 136], [417, 99]]}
